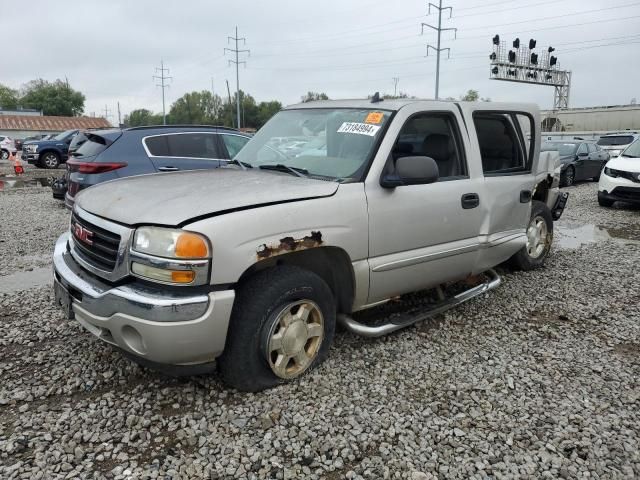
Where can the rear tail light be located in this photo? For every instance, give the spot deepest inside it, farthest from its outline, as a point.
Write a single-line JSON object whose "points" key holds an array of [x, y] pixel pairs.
{"points": [[93, 167]]}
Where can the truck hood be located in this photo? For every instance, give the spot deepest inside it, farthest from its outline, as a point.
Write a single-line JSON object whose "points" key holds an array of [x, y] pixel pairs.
{"points": [[626, 164], [172, 199]]}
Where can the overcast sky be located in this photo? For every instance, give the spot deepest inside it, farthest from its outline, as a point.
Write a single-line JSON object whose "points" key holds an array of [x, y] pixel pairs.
{"points": [[108, 49]]}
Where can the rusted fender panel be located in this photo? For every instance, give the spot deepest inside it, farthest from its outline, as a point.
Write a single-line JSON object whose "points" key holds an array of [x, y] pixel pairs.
{"points": [[290, 244]]}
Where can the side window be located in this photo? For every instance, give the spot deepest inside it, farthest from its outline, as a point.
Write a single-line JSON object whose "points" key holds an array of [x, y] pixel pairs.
{"points": [[234, 143], [157, 146], [591, 147], [193, 145], [582, 148], [433, 135], [503, 145]]}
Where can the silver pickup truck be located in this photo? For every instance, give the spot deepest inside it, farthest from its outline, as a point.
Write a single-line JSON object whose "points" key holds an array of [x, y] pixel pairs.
{"points": [[332, 208]]}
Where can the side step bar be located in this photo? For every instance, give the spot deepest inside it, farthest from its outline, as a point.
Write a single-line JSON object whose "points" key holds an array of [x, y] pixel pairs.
{"points": [[380, 330]]}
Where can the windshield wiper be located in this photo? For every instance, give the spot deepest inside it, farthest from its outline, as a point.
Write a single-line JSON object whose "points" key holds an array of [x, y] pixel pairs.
{"points": [[242, 165], [280, 167], [625, 155]]}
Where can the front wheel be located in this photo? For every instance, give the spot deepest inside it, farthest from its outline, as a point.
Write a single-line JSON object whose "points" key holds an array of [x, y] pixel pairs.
{"points": [[50, 160], [568, 178], [281, 327], [539, 239], [4, 155]]}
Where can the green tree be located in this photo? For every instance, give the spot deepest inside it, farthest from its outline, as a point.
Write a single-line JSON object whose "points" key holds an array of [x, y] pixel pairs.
{"points": [[313, 96], [195, 108], [53, 98], [8, 97], [266, 110], [141, 117], [471, 96]]}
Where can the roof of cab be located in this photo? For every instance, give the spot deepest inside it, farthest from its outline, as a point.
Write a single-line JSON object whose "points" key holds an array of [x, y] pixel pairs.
{"points": [[397, 104]]}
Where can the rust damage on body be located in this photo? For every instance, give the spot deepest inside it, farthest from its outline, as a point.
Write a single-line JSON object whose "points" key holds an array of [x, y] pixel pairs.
{"points": [[290, 244]]}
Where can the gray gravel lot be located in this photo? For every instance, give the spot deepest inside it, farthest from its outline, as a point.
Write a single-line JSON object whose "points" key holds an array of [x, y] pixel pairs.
{"points": [[537, 379]]}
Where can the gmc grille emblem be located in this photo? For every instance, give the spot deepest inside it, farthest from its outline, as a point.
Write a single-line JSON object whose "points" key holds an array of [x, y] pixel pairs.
{"points": [[82, 234]]}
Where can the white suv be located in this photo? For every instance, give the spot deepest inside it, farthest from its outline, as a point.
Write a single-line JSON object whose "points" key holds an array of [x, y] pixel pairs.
{"points": [[620, 179], [7, 147]]}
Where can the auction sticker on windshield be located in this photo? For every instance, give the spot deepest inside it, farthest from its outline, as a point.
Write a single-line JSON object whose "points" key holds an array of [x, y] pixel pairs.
{"points": [[359, 128], [374, 117]]}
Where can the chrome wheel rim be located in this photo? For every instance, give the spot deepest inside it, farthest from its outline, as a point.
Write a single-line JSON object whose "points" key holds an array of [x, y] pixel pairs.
{"points": [[569, 177], [5, 155], [50, 160], [295, 339], [537, 237]]}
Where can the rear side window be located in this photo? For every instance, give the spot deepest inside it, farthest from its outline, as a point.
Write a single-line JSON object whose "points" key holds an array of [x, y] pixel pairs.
{"points": [[234, 143], [188, 145], [94, 145], [504, 146], [582, 149], [591, 147]]}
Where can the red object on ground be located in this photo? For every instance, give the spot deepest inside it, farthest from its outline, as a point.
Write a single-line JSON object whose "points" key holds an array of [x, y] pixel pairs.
{"points": [[17, 166]]}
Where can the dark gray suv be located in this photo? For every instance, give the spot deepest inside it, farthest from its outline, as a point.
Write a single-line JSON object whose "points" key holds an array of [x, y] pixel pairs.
{"points": [[114, 153]]}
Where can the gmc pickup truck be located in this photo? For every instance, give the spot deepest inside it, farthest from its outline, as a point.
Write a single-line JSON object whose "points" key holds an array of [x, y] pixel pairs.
{"points": [[331, 208]]}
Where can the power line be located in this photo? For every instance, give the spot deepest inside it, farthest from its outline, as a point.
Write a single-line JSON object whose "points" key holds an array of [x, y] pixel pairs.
{"points": [[107, 113], [440, 29], [237, 62], [163, 78]]}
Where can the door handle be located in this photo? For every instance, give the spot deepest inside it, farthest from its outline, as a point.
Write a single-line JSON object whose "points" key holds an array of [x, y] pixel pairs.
{"points": [[470, 200], [168, 169], [525, 196]]}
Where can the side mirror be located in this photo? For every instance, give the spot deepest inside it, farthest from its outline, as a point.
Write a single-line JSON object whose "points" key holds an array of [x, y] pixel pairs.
{"points": [[411, 171]]}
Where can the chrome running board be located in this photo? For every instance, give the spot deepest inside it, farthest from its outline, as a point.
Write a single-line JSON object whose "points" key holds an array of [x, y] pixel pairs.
{"points": [[380, 330]]}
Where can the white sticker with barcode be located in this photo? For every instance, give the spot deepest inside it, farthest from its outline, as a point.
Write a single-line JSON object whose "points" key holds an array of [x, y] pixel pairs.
{"points": [[359, 128]]}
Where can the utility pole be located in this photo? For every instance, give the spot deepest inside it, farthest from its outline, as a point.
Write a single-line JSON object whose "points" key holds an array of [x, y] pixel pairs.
{"points": [[439, 29], [119, 117], [107, 113], [237, 62], [163, 77], [395, 86]]}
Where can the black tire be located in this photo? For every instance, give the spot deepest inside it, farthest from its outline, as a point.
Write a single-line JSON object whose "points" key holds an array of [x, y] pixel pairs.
{"points": [[49, 160], [4, 154], [524, 259], [260, 301], [604, 202], [568, 177]]}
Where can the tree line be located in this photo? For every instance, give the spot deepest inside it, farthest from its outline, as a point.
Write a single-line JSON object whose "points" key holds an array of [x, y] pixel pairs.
{"points": [[52, 98]]}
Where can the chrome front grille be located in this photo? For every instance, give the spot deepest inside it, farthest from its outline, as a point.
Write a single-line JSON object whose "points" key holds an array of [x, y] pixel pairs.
{"points": [[100, 246]]}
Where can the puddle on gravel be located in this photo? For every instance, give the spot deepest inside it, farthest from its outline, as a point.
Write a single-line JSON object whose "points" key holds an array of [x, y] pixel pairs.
{"points": [[24, 280], [573, 236], [10, 182]]}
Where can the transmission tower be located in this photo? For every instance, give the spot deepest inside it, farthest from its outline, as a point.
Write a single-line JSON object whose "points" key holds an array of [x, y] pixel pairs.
{"points": [[163, 77], [561, 92], [439, 29], [237, 62], [395, 86]]}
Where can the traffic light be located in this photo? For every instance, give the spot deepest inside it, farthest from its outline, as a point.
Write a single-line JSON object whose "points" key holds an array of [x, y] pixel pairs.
{"points": [[494, 70], [496, 40], [511, 72], [532, 44], [516, 43], [552, 61], [550, 49], [512, 56], [493, 56], [534, 58], [549, 76]]}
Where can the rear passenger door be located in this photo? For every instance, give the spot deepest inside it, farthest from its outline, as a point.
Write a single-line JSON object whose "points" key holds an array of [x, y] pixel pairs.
{"points": [[506, 149], [172, 152]]}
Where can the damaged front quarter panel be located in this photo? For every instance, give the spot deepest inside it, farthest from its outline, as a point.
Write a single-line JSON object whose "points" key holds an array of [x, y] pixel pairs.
{"points": [[290, 244]]}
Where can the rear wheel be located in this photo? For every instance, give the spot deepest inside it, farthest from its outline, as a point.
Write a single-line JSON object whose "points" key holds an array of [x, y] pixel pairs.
{"points": [[282, 326], [4, 154], [539, 239], [50, 160]]}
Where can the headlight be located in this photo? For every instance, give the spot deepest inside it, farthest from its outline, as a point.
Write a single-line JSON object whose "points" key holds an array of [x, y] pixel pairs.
{"points": [[169, 243], [32, 148], [170, 256], [610, 172]]}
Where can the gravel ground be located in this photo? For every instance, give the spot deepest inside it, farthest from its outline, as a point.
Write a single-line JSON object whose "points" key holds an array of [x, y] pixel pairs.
{"points": [[537, 379]]}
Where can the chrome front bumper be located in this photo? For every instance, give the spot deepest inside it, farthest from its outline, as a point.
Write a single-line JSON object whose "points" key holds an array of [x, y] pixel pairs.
{"points": [[158, 325]]}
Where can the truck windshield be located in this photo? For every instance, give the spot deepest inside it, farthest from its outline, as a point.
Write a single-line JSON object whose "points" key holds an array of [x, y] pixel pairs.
{"points": [[63, 135], [327, 143], [563, 149]]}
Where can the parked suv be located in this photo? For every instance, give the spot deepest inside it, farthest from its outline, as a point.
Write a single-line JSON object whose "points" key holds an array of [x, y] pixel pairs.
{"points": [[615, 143], [7, 147], [110, 154], [252, 264], [48, 153], [620, 180]]}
